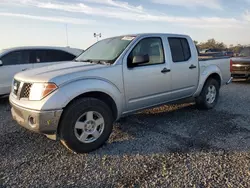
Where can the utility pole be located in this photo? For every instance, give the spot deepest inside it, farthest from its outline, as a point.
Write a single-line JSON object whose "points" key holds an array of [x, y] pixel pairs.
{"points": [[97, 36], [67, 37]]}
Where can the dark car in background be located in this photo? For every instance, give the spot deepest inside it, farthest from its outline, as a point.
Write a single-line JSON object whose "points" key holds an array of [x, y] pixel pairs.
{"points": [[229, 54], [241, 65]]}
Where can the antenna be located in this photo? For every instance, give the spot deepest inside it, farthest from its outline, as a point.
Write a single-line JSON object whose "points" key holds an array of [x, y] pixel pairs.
{"points": [[67, 37]]}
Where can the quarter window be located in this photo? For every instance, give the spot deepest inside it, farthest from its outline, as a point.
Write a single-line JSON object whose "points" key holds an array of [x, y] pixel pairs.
{"points": [[149, 46], [180, 49]]}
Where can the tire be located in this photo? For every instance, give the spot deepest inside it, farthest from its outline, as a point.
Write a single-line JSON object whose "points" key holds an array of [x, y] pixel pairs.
{"points": [[201, 101], [76, 115]]}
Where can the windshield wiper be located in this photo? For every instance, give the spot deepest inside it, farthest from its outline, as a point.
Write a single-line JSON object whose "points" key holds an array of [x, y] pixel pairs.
{"points": [[103, 62], [85, 60]]}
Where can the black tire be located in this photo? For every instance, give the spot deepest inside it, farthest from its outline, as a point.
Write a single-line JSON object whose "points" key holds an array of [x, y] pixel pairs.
{"points": [[72, 113], [201, 101]]}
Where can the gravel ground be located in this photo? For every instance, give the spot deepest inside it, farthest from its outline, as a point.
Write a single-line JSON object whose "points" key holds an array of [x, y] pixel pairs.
{"points": [[170, 146]]}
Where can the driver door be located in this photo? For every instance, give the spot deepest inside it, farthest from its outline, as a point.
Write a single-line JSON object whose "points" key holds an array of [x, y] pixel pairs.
{"points": [[147, 84]]}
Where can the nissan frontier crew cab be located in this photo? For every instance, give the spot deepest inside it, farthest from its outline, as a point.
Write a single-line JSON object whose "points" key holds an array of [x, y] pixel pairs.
{"points": [[77, 102]]}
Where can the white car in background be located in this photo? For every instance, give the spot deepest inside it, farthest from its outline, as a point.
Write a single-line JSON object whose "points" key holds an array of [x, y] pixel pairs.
{"points": [[14, 60]]}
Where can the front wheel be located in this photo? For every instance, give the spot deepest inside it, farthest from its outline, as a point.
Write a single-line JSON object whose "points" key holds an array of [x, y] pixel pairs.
{"points": [[209, 95], [86, 125]]}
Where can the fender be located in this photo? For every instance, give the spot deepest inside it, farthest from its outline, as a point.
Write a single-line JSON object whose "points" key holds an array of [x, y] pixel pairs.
{"points": [[68, 91], [206, 71]]}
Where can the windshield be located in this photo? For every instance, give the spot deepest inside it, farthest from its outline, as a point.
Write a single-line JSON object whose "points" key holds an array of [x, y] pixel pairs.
{"points": [[106, 50]]}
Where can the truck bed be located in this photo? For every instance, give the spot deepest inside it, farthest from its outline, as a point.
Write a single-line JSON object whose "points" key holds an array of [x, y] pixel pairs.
{"points": [[222, 63], [206, 58]]}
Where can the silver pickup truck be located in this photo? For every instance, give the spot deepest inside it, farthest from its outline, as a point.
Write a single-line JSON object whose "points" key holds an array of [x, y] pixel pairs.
{"points": [[77, 102]]}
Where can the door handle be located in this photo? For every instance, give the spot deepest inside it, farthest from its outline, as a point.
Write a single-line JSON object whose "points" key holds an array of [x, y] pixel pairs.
{"points": [[24, 69], [192, 67], [165, 70]]}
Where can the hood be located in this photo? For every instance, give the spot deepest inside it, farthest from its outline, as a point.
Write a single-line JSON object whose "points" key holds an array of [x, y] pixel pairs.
{"points": [[54, 72]]}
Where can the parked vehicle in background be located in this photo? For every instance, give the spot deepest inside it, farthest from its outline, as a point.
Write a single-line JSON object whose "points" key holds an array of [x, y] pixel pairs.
{"points": [[245, 52], [14, 60], [212, 54], [216, 53], [241, 68], [77, 102], [241, 65], [211, 50], [229, 54]]}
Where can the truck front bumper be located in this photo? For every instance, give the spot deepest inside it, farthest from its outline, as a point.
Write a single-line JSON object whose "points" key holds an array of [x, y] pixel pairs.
{"points": [[45, 122]]}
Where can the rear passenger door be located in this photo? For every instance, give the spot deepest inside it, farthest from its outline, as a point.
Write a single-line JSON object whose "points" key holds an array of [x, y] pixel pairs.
{"points": [[47, 57], [184, 68], [13, 62]]}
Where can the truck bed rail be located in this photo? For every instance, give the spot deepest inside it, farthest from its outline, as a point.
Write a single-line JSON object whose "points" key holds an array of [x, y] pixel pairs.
{"points": [[207, 58]]}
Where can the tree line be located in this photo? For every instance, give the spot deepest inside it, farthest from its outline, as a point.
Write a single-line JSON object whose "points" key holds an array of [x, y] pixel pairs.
{"points": [[213, 44]]}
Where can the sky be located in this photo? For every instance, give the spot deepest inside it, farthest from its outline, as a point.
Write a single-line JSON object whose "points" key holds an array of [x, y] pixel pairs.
{"points": [[49, 22]]}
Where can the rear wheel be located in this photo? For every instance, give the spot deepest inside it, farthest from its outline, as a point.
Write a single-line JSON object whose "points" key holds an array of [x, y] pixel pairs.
{"points": [[86, 125], [209, 95]]}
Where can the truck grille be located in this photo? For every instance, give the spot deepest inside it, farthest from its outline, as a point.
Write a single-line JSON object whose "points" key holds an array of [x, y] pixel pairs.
{"points": [[21, 89], [25, 93], [241, 67]]}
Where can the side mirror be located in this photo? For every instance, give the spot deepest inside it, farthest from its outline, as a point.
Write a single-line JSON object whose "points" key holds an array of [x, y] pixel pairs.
{"points": [[1, 63], [138, 60]]}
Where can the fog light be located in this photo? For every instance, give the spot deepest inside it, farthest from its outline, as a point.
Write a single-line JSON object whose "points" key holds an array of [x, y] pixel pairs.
{"points": [[32, 121]]}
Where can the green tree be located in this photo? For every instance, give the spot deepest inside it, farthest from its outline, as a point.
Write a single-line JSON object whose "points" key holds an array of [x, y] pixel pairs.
{"points": [[237, 49], [212, 44]]}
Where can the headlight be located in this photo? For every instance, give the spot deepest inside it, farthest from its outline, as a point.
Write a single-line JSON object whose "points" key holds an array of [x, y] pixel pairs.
{"points": [[40, 90]]}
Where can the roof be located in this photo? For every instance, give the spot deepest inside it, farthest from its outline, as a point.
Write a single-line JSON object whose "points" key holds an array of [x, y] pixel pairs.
{"points": [[74, 51], [169, 34], [146, 34]]}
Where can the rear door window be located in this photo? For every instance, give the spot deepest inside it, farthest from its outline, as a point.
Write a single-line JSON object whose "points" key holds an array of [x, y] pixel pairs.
{"points": [[39, 56], [58, 55], [43, 56], [16, 58], [180, 49]]}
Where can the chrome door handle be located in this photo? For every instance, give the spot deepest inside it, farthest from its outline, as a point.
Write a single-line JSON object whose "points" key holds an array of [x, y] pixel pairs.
{"points": [[165, 70], [192, 67]]}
